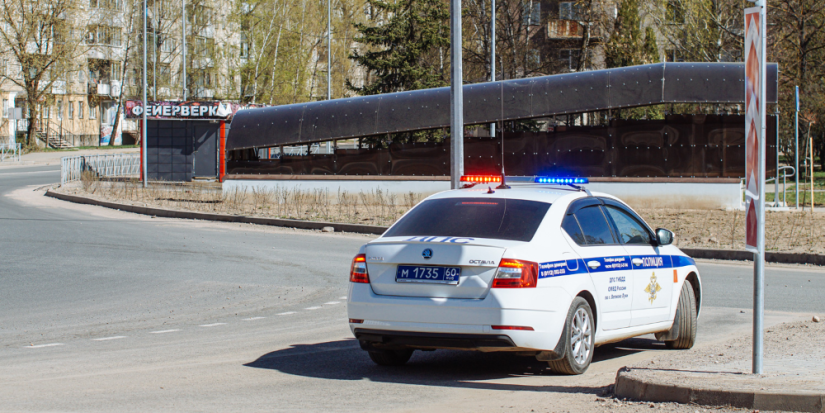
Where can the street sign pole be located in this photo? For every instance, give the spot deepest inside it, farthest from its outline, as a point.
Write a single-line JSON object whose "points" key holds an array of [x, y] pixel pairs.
{"points": [[755, 145], [456, 97]]}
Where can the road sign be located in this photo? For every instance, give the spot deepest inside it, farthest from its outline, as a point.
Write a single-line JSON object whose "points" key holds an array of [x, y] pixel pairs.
{"points": [[755, 111]]}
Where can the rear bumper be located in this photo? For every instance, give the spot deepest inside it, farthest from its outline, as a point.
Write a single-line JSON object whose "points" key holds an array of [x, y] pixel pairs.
{"points": [[419, 322], [382, 339]]}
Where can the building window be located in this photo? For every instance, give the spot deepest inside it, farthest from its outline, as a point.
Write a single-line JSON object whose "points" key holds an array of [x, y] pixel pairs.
{"points": [[569, 10], [244, 46], [570, 57], [5, 108], [531, 12], [71, 109], [534, 58], [167, 44], [92, 111], [46, 112], [80, 109], [59, 110], [164, 74]]}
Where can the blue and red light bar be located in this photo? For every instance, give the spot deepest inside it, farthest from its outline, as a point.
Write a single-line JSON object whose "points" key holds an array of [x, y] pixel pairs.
{"points": [[481, 179], [560, 180]]}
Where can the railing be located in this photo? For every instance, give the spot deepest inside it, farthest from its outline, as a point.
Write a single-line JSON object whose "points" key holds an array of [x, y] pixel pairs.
{"points": [[783, 174], [118, 165], [10, 151]]}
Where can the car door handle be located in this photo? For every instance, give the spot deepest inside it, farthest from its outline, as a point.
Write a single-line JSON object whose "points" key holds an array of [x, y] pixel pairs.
{"points": [[637, 261], [594, 264]]}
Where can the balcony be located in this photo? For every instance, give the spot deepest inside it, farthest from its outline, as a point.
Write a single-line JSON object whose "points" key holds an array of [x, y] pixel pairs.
{"points": [[564, 29], [98, 88], [569, 29]]}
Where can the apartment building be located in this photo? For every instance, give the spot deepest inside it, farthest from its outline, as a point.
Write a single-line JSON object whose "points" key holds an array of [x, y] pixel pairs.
{"points": [[81, 106]]}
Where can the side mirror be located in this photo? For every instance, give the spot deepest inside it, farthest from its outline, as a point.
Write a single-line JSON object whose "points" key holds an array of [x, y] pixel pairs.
{"points": [[663, 236]]}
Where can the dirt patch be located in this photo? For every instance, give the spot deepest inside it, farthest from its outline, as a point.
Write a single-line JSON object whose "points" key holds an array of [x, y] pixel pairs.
{"points": [[802, 232], [794, 361]]}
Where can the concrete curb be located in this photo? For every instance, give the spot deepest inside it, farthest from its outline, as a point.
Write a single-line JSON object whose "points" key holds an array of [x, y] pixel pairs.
{"points": [[168, 213], [636, 389], [770, 256]]}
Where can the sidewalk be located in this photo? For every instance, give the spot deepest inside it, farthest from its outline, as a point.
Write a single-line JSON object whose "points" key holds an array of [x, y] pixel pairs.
{"points": [[53, 157], [793, 379]]}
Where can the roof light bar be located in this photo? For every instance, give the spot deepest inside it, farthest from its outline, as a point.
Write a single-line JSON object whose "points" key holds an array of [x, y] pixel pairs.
{"points": [[560, 181], [481, 179]]}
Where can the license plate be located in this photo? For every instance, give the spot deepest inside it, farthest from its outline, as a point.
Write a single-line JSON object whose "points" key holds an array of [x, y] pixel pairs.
{"points": [[422, 274]]}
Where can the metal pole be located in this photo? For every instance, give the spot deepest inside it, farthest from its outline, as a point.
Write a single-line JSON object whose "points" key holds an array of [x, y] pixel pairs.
{"points": [[329, 49], [796, 144], [811, 145], [183, 2], [493, 54], [759, 257], [456, 96], [144, 138], [155, 51]]}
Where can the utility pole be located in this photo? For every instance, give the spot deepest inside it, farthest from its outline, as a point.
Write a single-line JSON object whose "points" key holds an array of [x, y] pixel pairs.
{"points": [[456, 97], [493, 55], [329, 49], [145, 105], [183, 2], [155, 51], [329, 54]]}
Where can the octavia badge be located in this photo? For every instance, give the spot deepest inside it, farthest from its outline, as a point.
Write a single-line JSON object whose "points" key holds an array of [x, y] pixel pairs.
{"points": [[427, 254]]}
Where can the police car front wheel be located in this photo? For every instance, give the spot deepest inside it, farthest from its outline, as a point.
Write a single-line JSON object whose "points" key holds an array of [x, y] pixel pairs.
{"points": [[578, 339]]}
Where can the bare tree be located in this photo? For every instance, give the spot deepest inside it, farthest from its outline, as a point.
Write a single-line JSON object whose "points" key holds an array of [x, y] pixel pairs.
{"points": [[41, 37]]}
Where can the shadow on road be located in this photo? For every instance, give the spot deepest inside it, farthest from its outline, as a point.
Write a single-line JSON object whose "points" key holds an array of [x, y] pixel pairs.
{"points": [[344, 360]]}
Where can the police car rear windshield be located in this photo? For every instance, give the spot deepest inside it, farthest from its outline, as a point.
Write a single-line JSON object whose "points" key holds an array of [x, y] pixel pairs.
{"points": [[507, 219]]}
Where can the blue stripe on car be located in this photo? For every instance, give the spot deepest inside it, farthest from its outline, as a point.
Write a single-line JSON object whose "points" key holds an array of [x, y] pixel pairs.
{"points": [[682, 261], [617, 263], [559, 268]]}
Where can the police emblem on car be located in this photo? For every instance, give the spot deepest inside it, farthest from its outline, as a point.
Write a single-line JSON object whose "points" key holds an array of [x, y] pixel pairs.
{"points": [[427, 253]]}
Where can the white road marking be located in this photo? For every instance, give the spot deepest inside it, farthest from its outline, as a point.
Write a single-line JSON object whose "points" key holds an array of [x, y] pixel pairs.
{"points": [[45, 345], [287, 313], [163, 331], [212, 325], [332, 303], [108, 338], [253, 318], [342, 298], [312, 308]]}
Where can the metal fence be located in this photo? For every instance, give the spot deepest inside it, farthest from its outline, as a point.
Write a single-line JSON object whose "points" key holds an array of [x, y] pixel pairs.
{"points": [[117, 165], [10, 152]]}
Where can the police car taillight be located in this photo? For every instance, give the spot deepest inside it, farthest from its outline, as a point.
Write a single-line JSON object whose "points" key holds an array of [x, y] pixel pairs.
{"points": [[481, 179], [358, 272], [516, 274]]}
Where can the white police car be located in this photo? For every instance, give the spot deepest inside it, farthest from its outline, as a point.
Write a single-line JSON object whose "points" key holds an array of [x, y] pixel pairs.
{"points": [[538, 269]]}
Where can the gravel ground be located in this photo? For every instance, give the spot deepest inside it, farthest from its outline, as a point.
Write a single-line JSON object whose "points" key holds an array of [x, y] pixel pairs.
{"points": [[794, 361]]}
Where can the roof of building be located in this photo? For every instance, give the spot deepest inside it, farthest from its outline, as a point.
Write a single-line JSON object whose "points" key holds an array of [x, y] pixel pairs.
{"points": [[536, 97]]}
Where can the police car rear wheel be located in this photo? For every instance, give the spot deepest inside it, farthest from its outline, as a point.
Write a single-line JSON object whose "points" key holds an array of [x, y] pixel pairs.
{"points": [[686, 313], [578, 340], [390, 357]]}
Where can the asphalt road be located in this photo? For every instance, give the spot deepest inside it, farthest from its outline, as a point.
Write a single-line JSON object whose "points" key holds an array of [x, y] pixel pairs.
{"points": [[108, 311]]}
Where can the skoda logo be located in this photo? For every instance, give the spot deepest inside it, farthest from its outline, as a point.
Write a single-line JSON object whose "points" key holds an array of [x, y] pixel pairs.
{"points": [[427, 254]]}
